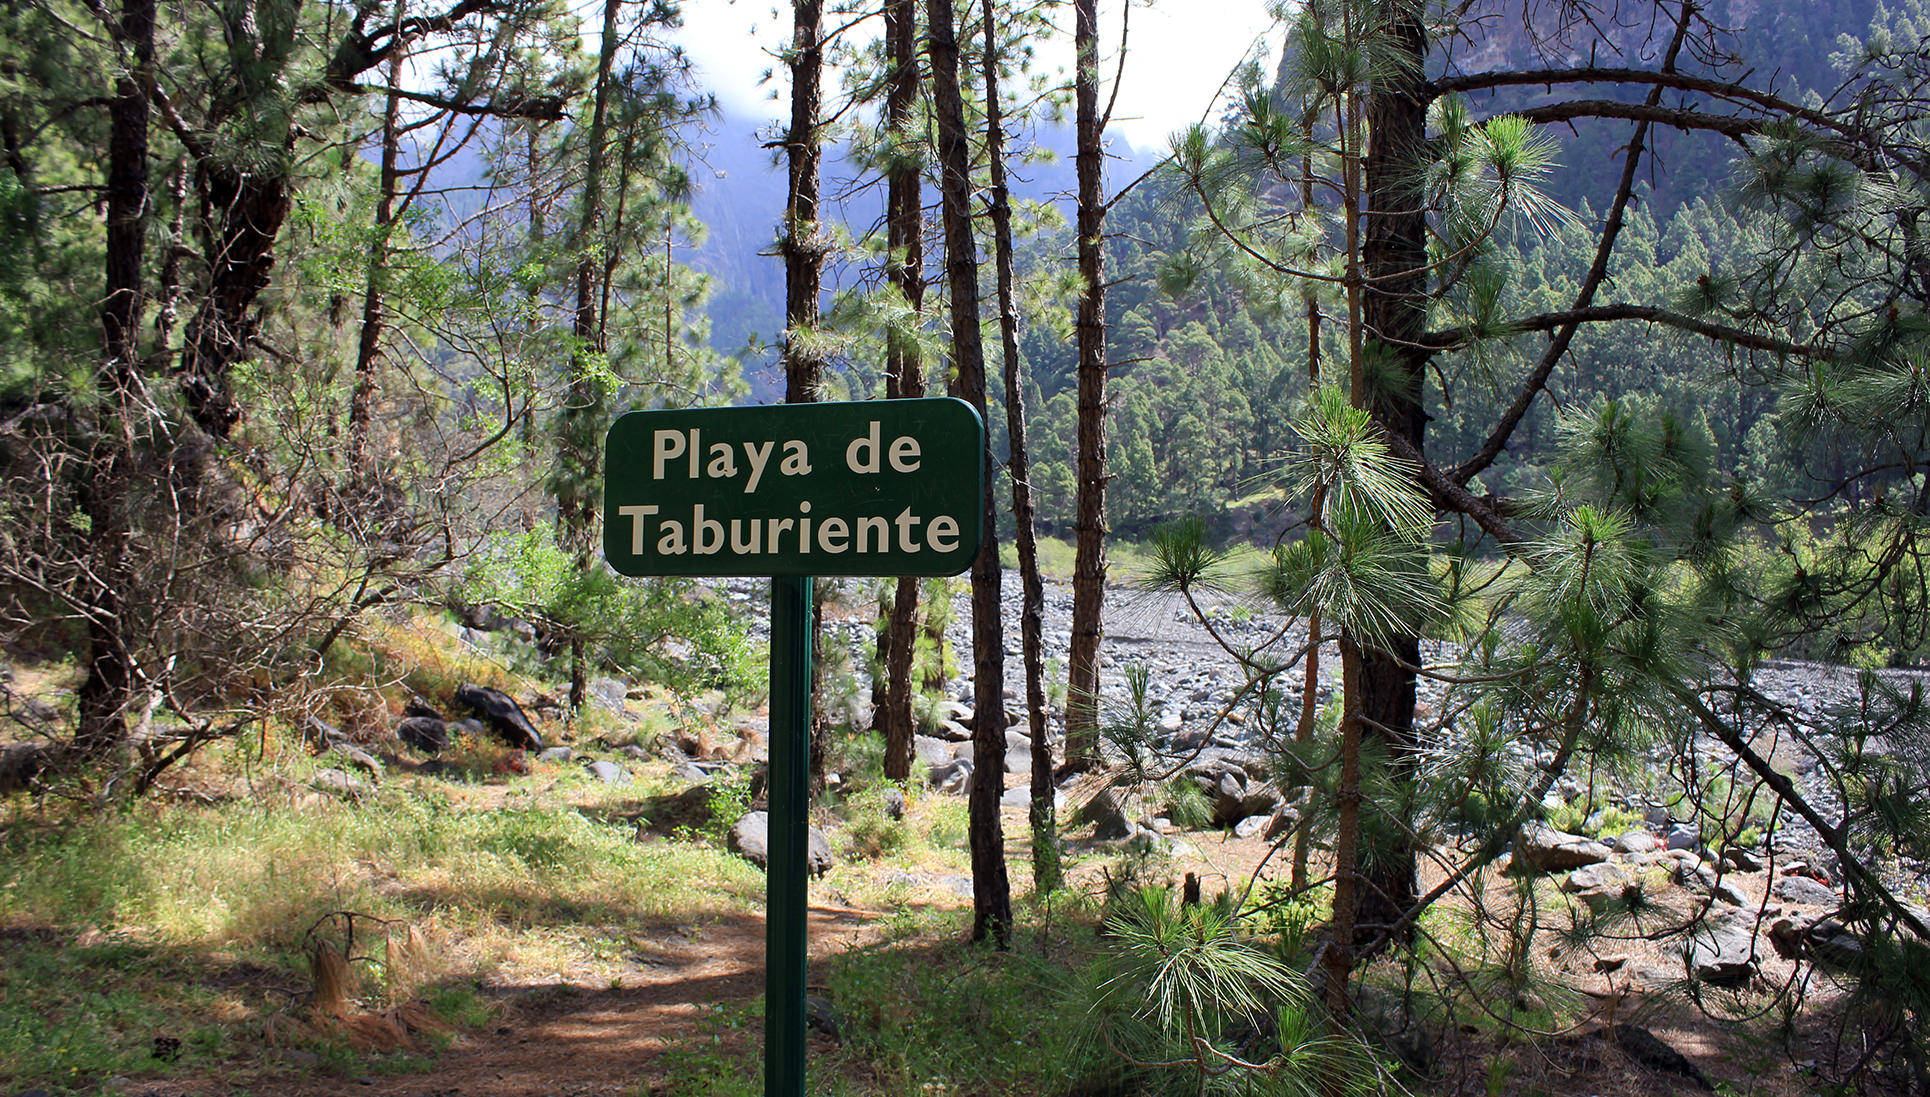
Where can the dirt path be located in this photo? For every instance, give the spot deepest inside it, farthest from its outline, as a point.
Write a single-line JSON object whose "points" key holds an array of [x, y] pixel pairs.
{"points": [[574, 1041]]}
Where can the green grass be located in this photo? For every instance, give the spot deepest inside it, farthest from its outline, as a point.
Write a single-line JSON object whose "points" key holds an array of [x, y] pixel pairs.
{"points": [[188, 922]]}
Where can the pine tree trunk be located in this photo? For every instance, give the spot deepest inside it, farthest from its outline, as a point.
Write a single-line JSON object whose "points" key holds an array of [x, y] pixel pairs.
{"points": [[578, 453], [802, 246], [1394, 314], [368, 353], [1089, 523], [991, 889], [904, 371], [107, 688], [1045, 838]]}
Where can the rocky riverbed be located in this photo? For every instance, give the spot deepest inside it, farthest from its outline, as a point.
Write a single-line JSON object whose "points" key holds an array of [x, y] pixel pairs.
{"points": [[1191, 679]]}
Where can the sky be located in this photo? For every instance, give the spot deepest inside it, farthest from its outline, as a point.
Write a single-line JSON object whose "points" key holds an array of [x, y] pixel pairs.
{"points": [[1179, 54]]}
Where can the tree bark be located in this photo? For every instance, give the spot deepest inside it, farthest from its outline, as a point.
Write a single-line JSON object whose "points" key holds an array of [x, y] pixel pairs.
{"points": [[802, 247], [107, 688], [904, 371], [1043, 816], [1089, 522], [368, 351], [991, 889], [582, 418], [1393, 317]]}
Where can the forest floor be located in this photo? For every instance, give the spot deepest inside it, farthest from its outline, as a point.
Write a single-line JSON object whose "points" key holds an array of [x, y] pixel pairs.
{"points": [[575, 957], [678, 1012]]}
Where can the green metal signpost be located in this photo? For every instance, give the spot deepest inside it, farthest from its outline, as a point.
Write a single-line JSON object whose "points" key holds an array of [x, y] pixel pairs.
{"points": [[883, 487]]}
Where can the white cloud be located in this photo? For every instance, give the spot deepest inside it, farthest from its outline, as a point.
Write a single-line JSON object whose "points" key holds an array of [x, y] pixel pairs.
{"points": [[1179, 54]]}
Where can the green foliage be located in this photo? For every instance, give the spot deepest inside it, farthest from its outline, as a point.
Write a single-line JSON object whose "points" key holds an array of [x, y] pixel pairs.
{"points": [[939, 1020], [668, 630]]}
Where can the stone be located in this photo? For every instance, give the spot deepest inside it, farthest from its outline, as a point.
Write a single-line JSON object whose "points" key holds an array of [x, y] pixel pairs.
{"points": [[1607, 874], [1721, 954], [932, 752], [751, 840], [1018, 759], [555, 754], [1683, 836], [892, 804], [1830, 943], [954, 777], [953, 731], [1802, 889], [1113, 828], [609, 692], [1742, 860], [1170, 721], [423, 734], [1546, 849], [608, 772], [820, 1015], [1252, 826], [1694, 875], [360, 759], [1635, 841], [335, 782], [500, 712], [1727, 892], [1788, 934]]}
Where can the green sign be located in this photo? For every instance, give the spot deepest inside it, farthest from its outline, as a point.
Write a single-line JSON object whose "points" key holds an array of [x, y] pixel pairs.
{"points": [[881, 487]]}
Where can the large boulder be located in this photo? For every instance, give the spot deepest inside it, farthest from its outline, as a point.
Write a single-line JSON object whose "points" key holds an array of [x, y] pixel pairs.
{"points": [[932, 752], [953, 777], [751, 840], [1545, 849], [501, 714], [423, 734], [608, 692], [1722, 953], [1802, 889]]}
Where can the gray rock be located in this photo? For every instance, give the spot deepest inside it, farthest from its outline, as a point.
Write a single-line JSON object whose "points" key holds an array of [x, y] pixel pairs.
{"points": [[1721, 954], [1113, 828], [360, 759], [954, 777], [819, 1015], [335, 782], [501, 713], [1546, 849], [423, 734], [1603, 876], [1018, 759], [751, 840], [958, 885], [932, 752], [609, 692], [556, 754], [1683, 836], [1252, 826], [954, 731], [1802, 889], [609, 773], [892, 803], [1742, 860], [1635, 841]]}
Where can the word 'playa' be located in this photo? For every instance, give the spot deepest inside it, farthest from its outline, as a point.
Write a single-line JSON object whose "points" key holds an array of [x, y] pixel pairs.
{"points": [[883, 487]]}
